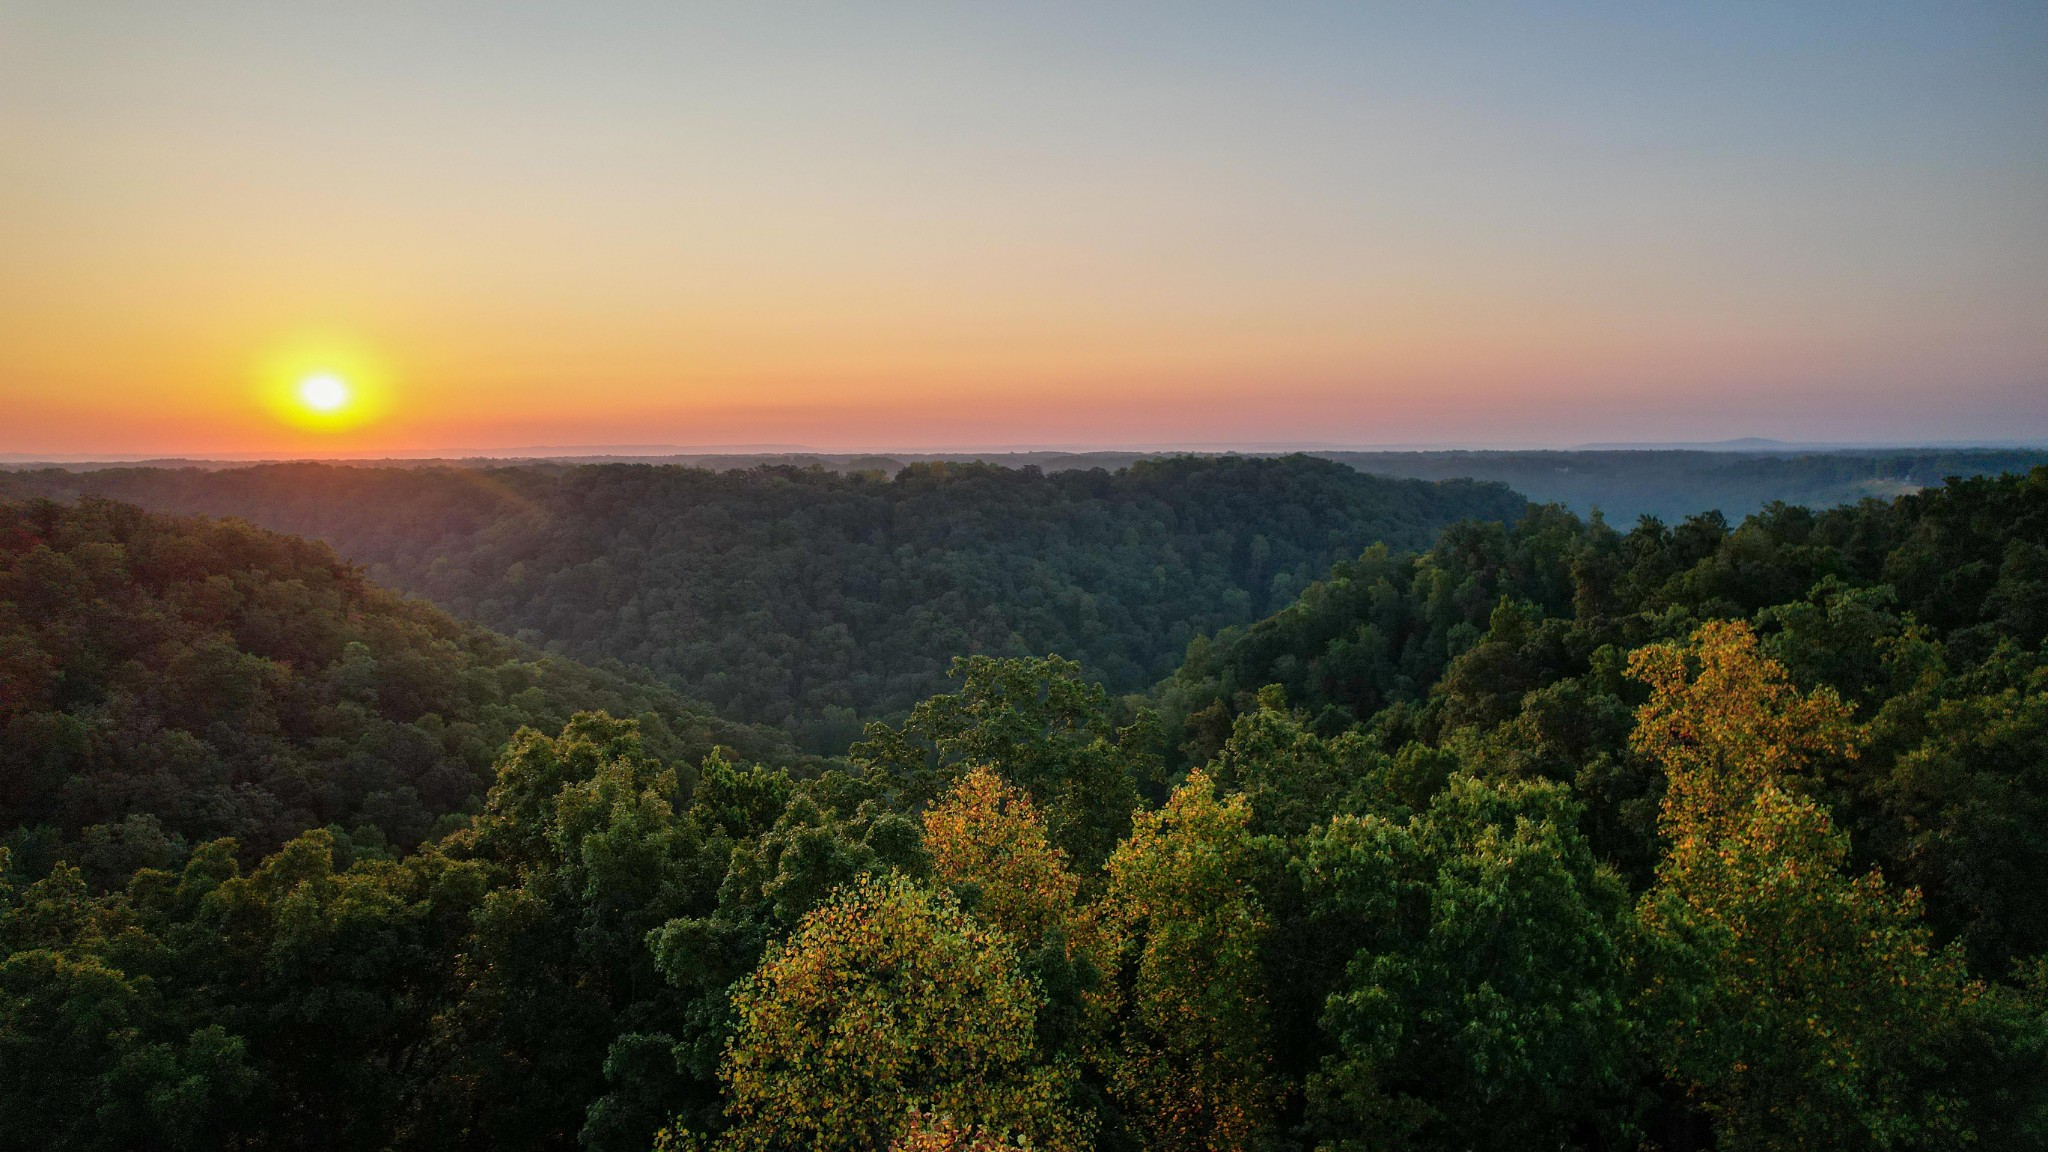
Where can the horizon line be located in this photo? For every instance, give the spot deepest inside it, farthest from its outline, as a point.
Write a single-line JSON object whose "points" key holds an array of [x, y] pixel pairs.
{"points": [[546, 452]]}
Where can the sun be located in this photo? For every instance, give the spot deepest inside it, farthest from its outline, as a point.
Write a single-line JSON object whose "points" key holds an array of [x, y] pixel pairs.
{"points": [[322, 384], [324, 392]]}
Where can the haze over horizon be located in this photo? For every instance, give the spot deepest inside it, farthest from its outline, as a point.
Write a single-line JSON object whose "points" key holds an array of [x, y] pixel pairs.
{"points": [[1053, 224], [632, 452]]}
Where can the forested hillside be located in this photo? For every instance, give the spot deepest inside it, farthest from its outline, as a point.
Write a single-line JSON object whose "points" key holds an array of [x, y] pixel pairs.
{"points": [[814, 600], [1506, 645], [1551, 836], [1623, 483], [166, 682]]}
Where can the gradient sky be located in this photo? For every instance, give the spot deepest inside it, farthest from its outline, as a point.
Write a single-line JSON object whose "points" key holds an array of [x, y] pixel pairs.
{"points": [[971, 225]]}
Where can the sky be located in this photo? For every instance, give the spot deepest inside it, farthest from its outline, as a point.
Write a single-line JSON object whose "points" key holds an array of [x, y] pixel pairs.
{"points": [[981, 225]]}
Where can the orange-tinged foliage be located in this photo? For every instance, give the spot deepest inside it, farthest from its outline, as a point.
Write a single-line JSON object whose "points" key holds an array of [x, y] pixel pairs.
{"points": [[936, 1132], [989, 834], [1724, 721], [1194, 1066], [1791, 1000]]}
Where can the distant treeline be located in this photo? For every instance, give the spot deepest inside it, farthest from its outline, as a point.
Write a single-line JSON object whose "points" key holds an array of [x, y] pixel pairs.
{"points": [[816, 600], [1622, 484]]}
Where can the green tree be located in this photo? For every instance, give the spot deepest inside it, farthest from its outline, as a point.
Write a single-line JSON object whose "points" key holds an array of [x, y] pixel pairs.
{"points": [[1961, 785], [1041, 725], [79, 1069], [564, 1023], [333, 974], [1194, 1066], [1484, 1001]]}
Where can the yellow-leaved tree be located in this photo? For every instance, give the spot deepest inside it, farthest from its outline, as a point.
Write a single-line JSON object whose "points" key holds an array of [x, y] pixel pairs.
{"points": [[1799, 1006], [1194, 1067], [987, 835], [934, 1132], [886, 1000]]}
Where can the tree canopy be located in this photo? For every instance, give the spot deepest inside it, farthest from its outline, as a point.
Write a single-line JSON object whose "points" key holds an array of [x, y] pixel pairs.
{"points": [[818, 600], [165, 682], [1549, 836]]}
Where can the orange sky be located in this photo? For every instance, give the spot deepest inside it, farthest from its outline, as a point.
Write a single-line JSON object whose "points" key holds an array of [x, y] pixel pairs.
{"points": [[1020, 226]]}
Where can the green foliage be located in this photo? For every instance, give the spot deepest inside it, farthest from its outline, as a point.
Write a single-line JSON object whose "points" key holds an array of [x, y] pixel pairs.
{"points": [[208, 1009], [1043, 728], [1964, 801], [1483, 1004], [565, 1021], [507, 986], [1193, 1070], [816, 600], [1294, 779], [1381, 630], [167, 682], [79, 1070], [1551, 836]]}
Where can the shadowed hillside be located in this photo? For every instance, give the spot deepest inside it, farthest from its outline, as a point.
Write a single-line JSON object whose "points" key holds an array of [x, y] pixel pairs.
{"points": [[815, 600], [166, 681]]}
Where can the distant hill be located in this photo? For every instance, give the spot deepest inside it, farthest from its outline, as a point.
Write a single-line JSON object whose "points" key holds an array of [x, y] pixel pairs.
{"points": [[1623, 481], [1735, 477], [816, 600], [1671, 485]]}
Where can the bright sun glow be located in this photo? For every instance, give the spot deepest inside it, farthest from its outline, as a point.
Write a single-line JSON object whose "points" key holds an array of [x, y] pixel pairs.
{"points": [[325, 392], [321, 384]]}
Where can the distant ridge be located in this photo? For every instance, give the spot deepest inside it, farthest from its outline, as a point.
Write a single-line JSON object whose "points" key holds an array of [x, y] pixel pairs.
{"points": [[727, 455], [1740, 444], [1765, 444]]}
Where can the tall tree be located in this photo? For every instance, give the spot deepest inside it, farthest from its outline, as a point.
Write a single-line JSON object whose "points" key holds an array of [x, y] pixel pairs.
{"points": [[1802, 1007], [1194, 1070]]}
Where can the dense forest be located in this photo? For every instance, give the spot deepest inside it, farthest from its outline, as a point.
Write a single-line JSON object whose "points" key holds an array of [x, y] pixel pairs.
{"points": [[1507, 645], [1547, 835], [814, 600], [167, 682]]}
